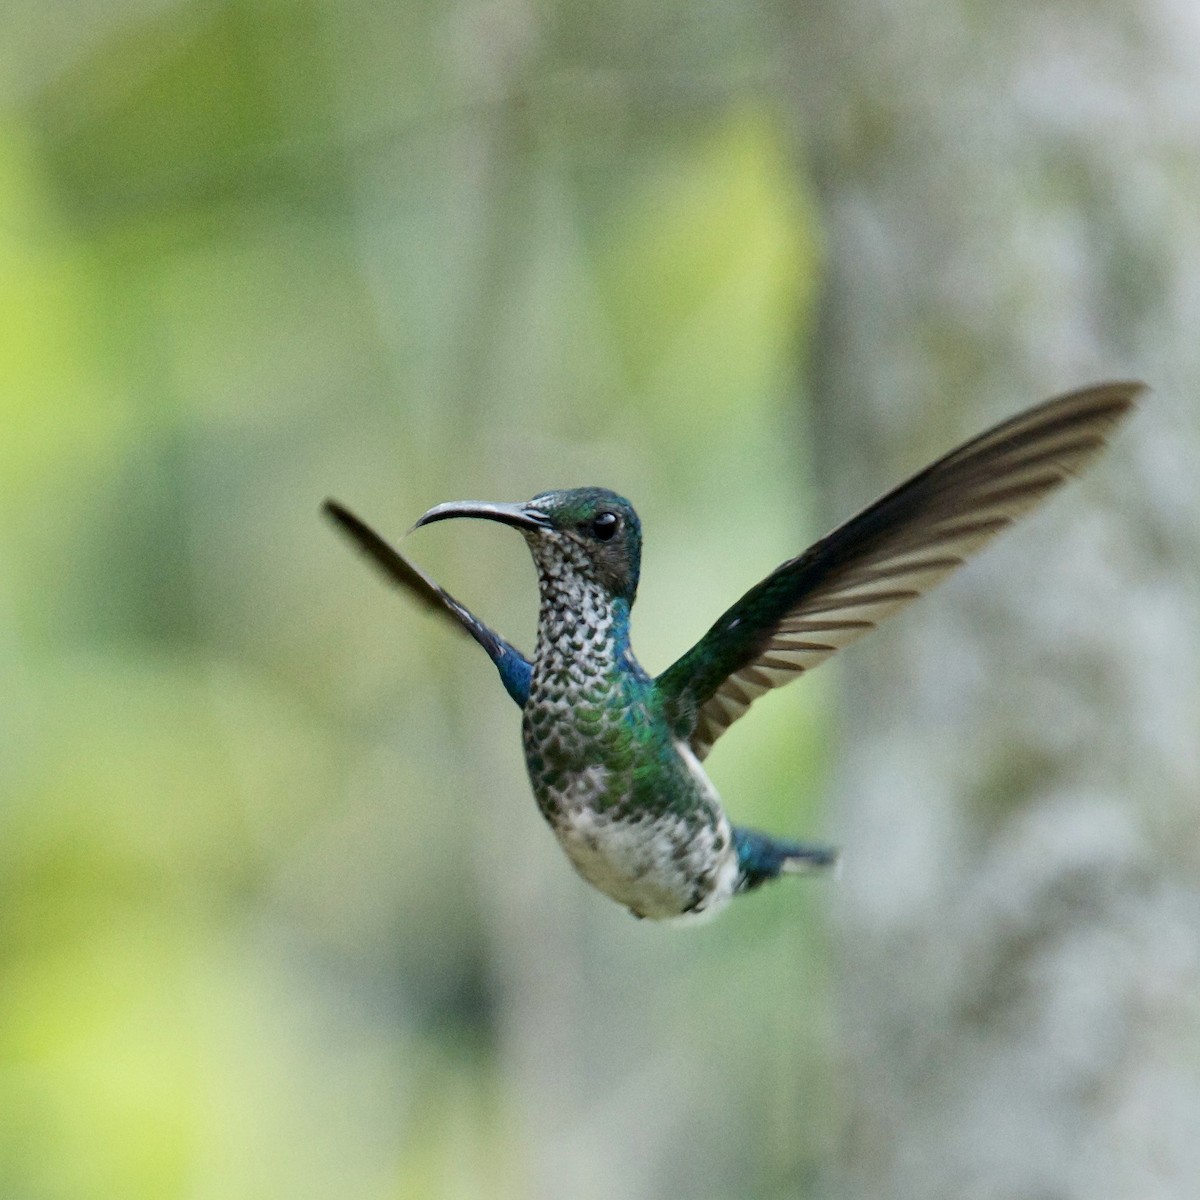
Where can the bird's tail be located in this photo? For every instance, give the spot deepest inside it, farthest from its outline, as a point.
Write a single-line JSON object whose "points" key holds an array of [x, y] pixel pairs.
{"points": [[762, 857]]}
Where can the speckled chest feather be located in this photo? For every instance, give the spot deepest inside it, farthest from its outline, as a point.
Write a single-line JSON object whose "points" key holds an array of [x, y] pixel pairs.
{"points": [[630, 805]]}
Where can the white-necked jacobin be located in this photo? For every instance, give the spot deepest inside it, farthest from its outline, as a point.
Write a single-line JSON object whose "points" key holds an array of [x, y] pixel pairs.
{"points": [[614, 754]]}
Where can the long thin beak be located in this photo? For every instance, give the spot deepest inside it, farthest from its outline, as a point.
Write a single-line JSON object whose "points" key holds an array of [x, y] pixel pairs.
{"points": [[523, 516]]}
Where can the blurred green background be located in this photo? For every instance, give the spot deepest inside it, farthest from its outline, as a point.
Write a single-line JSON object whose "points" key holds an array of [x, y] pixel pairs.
{"points": [[278, 917]]}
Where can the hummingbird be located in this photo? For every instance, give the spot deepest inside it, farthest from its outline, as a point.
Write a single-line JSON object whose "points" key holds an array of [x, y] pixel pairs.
{"points": [[615, 754]]}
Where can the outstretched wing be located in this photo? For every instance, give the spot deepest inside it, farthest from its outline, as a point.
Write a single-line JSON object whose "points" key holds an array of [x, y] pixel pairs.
{"points": [[515, 669], [884, 558]]}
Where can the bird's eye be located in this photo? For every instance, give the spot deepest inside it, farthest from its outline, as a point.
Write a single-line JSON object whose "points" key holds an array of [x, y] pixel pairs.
{"points": [[605, 525]]}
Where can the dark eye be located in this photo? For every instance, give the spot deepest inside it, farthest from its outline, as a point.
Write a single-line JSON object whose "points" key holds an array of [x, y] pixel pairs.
{"points": [[604, 526]]}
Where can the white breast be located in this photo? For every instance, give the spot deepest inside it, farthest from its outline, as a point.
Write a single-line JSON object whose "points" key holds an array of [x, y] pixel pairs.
{"points": [[652, 865]]}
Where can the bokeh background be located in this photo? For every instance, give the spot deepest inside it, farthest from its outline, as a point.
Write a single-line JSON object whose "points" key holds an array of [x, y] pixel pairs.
{"points": [[278, 917]]}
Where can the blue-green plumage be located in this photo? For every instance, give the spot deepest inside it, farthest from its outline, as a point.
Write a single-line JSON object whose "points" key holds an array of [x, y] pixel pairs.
{"points": [[614, 755]]}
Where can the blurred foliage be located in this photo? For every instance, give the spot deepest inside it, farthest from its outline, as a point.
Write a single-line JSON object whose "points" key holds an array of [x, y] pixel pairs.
{"points": [[278, 915]]}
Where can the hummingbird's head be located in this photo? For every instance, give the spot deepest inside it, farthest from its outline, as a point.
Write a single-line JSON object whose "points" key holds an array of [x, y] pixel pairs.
{"points": [[591, 531]]}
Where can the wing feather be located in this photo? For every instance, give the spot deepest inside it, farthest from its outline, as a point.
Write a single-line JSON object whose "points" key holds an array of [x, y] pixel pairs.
{"points": [[515, 669], [885, 557]]}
